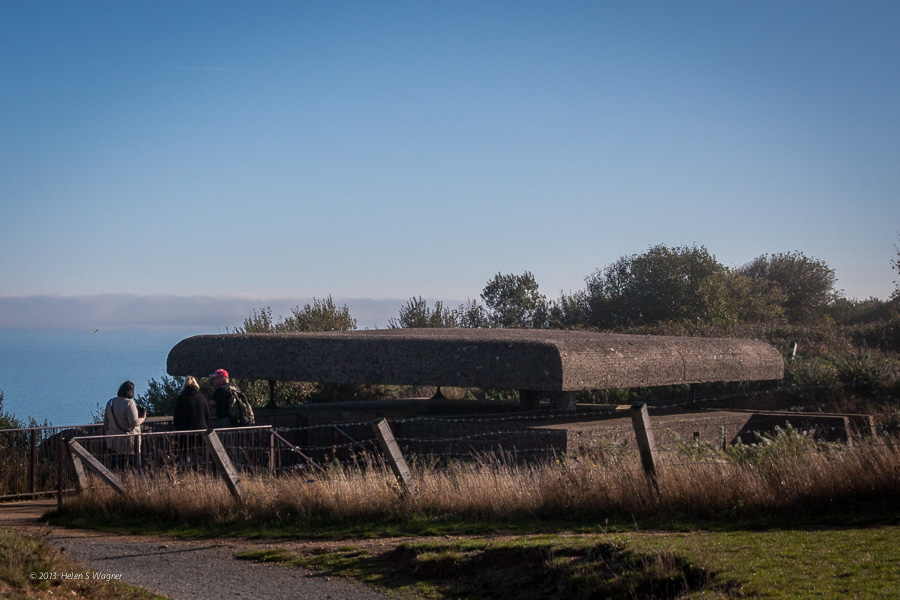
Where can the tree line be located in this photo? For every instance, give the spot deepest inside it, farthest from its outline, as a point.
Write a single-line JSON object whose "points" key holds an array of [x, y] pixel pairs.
{"points": [[787, 299], [664, 287]]}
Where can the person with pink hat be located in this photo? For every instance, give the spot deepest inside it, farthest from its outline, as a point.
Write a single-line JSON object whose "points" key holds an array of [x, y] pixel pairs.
{"points": [[221, 397]]}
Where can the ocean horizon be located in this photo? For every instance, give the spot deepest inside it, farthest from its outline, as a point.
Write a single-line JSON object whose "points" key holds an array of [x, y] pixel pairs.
{"points": [[63, 376]]}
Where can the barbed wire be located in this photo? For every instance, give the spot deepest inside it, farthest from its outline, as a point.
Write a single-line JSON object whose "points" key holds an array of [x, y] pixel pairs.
{"points": [[599, 411]]}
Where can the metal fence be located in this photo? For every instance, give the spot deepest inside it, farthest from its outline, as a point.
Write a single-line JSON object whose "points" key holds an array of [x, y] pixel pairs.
{"points": [[154, 461], [30, 464], [35, 461], [250, 449]]}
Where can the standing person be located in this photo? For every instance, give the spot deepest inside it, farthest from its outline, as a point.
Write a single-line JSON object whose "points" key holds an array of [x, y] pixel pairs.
{"points": [[222, 397], [121, 417], [232, 407], [191, 413], [191, 408]]}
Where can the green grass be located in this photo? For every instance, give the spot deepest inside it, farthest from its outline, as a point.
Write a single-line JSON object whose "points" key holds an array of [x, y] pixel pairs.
{"points": [[833, 563], [827, 563]]}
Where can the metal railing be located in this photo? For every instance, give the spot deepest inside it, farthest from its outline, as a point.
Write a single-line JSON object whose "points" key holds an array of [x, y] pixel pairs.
{"points": [[249, 448], [33, 459], [30, 464]]}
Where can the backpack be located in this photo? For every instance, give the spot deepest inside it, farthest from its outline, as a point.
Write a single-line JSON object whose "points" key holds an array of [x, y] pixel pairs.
{"points": [[240, 412]]}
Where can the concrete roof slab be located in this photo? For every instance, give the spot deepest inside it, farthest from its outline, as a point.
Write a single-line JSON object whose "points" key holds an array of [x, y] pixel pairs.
{"points": [[525, 359]]}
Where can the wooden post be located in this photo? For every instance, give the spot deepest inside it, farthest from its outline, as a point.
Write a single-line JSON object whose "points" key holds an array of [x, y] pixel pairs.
{"points": [[81, 458], [640, 418], [229, 473], [392, 453], [81, 481]]}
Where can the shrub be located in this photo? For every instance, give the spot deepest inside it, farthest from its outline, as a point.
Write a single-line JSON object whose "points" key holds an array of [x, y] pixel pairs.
{"points": [[8, 421], [810, 372], [867, 374], [780, 445]]}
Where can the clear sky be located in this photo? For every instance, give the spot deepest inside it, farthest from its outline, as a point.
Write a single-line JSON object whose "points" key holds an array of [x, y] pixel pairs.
{"points": [[397, 149]]}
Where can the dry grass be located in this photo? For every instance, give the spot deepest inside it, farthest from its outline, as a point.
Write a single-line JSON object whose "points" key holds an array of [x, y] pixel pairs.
{"points": [[787, 476]]}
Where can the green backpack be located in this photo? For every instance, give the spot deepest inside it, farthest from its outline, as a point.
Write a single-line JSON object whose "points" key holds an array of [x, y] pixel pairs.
{"points": [[240, 411]]}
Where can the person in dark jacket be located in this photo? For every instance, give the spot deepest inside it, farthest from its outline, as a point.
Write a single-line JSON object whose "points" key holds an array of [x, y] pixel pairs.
{"points": [[191, 408], [191, 413], [222, 398]]}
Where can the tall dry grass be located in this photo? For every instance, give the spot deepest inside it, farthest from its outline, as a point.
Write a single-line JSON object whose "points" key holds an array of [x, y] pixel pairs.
{"points": [[784, 478]]}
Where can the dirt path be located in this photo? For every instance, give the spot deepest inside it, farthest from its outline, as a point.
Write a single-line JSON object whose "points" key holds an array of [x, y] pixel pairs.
{"points": [[183, 569]]}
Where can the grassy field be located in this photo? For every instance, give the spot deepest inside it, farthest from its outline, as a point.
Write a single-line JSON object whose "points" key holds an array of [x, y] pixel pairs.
{"points": [[787, 518], [802, 564]]}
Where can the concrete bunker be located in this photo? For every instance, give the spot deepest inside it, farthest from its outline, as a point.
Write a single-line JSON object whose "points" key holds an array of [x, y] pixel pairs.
{"points": [[537, 363], [549, 364]]}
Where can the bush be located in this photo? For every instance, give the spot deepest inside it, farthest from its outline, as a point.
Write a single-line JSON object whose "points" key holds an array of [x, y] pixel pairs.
{"points": [[811, 372], [868, 374], [663, 284], [8, 421], [876, 335], [780, 445]]}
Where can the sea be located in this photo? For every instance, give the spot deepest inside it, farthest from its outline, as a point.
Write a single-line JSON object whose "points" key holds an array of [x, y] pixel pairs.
{"points": [[65, 376]]}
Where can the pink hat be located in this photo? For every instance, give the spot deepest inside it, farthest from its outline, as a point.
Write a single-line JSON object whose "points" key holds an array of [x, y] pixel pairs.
{"points": [[219, 373]]}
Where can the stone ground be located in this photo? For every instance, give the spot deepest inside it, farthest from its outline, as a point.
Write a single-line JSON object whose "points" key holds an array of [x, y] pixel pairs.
{"points": [[187, 569]]}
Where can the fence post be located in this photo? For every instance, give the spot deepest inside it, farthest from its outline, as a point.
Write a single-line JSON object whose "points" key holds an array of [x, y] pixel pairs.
{"points": [[640, 418], [229, 473], [392, 453], [272, 451], [32, 467], [86, 458], [81, 481], [60, 471]]}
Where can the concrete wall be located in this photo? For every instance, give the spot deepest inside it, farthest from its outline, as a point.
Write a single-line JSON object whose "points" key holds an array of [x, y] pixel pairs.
{"points": [[457, 428]]}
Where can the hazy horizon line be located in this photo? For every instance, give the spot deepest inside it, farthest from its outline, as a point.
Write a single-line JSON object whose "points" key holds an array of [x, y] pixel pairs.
{"points": [[172, 310]]}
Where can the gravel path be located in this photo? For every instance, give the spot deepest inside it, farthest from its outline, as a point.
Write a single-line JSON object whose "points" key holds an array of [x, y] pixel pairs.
{"points": [[184, 569]]}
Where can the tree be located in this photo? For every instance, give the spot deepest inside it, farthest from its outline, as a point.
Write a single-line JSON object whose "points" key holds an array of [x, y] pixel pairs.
{"points": [[663, 284], [260, 321], [415, 313], [753, 300], [473, 315], [159, 399], [570, 311], [514, 301], [321, 315], [807, 284]]}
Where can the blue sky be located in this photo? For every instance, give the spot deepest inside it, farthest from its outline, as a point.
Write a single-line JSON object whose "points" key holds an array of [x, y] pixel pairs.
{"points": [[397, 149]]}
